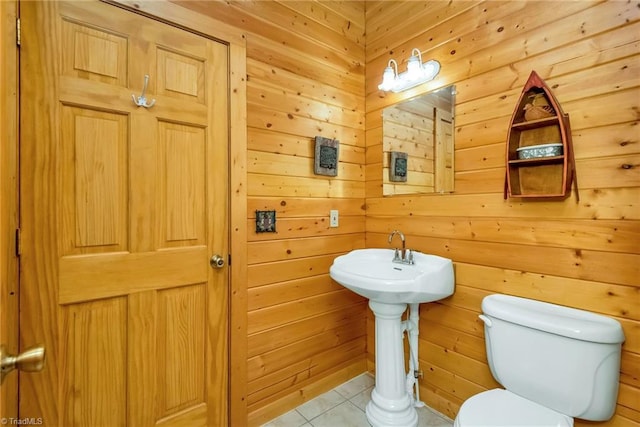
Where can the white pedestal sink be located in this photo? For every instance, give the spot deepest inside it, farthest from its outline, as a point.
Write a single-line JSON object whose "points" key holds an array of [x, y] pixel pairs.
{"points": [[390, 286]]}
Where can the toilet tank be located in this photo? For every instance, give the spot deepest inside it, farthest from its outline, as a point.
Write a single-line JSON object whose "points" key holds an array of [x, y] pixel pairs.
{"points": [[562, 358]]}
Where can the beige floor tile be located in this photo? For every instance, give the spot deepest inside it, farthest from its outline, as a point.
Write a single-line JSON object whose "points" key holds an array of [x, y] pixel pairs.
{"points": [[321, 404], [344, 415]]}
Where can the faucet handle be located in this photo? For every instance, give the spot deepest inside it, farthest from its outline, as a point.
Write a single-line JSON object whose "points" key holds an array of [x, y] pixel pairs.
{"points": [[409, 256], [396, 255]]}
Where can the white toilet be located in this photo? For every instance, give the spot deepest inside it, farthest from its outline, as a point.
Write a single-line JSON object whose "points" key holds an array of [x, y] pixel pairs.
{"points": [[555, 362]]}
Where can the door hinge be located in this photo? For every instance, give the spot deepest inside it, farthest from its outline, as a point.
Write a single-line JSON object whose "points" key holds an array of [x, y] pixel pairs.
{"points": [[18, 248], [18, 31]]}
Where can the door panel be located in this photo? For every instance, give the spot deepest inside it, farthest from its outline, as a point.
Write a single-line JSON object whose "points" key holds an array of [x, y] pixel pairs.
{"points": [[94, 372], [182, 76], [94, 54], [180, 349], [94, 158], [122, 208], [182, 186]]}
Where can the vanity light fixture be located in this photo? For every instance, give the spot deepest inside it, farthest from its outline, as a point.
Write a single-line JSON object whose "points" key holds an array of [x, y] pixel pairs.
{"points": [[417, 73]]}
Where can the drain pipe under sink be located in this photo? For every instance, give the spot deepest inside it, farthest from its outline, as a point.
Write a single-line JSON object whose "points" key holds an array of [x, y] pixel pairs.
{"points": [[411, 326]]}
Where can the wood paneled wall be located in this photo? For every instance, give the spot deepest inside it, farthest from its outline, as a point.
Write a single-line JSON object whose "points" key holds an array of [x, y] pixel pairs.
{"points": [[581, 254], [306, 63], [305, 71]]}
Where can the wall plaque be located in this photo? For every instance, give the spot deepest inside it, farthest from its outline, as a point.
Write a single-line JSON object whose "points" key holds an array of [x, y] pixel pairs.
{"points": [[326, 159], [398, 167]]}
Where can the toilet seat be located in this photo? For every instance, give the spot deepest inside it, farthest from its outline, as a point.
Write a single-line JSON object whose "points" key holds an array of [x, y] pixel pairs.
{"points": [[500, 407]]}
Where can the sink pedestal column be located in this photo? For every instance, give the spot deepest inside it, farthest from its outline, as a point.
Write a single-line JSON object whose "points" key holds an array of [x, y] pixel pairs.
{"points": [[390, 403]]}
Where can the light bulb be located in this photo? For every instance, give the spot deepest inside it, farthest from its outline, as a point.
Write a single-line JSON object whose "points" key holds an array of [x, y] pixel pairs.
{"points": [[389, 77], [413, 68]]}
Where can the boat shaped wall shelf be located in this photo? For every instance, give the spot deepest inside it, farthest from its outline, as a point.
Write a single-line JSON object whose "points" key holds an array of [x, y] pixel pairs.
{"points": [[538, 122]]}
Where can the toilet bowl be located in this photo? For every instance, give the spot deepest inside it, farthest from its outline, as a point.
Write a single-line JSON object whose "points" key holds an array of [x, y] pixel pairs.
{"points": [[555, 362], [501, 408]]}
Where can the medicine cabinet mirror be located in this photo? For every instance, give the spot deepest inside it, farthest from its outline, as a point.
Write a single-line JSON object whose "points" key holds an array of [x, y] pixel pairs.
{"points": [[418, 144]]}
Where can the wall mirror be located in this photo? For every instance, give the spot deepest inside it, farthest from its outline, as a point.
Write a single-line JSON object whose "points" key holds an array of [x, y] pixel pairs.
{"points": [[418, 144]]}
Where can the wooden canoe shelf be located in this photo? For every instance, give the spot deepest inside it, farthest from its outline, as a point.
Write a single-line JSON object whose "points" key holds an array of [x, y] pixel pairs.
{"points": [[537, 120], [537, 161]]}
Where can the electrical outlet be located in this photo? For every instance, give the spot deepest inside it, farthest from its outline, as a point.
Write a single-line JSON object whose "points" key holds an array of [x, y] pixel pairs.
{"points": [[333, 218]]}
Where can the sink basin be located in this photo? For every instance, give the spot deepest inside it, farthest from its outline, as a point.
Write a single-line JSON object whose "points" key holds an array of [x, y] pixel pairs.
{"points": [[372, 274], [390, 286]]}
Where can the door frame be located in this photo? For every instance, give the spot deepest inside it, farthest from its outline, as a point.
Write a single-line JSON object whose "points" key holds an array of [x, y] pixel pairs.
{"points": [[9, 119], [9, 189]]}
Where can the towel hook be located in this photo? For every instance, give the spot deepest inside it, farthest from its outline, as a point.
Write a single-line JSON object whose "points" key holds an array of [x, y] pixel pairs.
{"points": [[141, 101]]}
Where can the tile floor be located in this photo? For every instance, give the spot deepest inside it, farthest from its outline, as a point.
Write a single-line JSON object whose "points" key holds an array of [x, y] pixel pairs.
{"points": [[344, 407]]}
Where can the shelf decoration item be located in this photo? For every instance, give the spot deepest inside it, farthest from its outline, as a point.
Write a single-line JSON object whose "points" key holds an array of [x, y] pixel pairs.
{"points": [[542, 150], [538, 108], [540, 161], [326, 156], [398, 166]]}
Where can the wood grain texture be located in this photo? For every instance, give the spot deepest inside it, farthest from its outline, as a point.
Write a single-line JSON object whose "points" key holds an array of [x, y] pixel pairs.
{"points": [[305, 79], [568, 253], [131, 339], [291, 100], [94, 386], [311, 71], [9, 125]]}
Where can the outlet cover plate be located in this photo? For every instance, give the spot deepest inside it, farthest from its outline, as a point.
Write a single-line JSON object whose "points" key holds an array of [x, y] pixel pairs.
{"points": [[333, 218]]}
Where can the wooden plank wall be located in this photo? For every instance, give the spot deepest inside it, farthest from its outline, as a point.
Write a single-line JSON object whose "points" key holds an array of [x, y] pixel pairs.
{"points": [[581, 254], [305, 70]]}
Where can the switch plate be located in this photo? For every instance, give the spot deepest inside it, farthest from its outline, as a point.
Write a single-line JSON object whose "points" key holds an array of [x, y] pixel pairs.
{"points": [[333, 218], [265, 221]]}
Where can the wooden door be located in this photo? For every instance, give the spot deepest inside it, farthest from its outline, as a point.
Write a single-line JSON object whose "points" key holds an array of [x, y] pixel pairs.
{"points": [[443, 150], [122, 207]]}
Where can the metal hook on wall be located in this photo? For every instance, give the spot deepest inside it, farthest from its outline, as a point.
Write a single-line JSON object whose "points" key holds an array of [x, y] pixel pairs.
{"points": [[141, 101]]}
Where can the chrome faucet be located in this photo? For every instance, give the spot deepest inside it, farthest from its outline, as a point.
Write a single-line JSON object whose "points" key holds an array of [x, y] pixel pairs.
{"points": [[401, 257]]}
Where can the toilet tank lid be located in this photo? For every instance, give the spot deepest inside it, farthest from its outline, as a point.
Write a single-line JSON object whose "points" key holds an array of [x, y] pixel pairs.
{"points": [[555, 319]]}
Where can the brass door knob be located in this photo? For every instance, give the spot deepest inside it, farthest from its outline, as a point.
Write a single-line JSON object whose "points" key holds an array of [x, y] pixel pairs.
{"points": [[30, 360]]}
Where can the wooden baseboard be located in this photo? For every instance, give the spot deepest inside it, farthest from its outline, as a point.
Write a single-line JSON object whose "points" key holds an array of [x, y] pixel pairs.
{"points": [[306, 392]]}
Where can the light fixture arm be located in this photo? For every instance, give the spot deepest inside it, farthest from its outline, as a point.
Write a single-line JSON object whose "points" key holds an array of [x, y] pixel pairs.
{"points": [[419, 54], [395, 64]]}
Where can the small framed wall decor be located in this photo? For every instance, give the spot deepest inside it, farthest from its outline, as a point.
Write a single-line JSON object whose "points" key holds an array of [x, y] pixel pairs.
{"points": [[326, 159], [398, 167]]}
